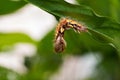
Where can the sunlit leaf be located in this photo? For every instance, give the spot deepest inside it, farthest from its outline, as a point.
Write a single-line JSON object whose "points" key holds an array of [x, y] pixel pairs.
{"points": [[9, 39]]}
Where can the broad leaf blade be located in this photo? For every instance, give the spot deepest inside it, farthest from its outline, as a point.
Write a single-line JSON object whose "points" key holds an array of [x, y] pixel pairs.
{"points": [[99, 6], [106, 26]]}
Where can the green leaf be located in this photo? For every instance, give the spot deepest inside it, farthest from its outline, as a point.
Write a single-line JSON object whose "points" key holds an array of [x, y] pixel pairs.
{"points": [[98, 26], [9, 39], [99, 6], [9, 6]]}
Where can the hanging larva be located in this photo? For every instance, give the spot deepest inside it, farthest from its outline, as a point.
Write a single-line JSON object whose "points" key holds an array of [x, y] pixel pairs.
{"points": [[63, 25]]}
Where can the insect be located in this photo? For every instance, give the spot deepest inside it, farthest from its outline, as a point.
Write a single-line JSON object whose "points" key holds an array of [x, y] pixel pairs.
{"points": [[63, 25]]}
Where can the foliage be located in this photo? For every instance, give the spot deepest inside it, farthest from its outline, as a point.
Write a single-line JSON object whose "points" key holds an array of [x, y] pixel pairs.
{"points": [[9, 39], [9, 6], [103, 37]]}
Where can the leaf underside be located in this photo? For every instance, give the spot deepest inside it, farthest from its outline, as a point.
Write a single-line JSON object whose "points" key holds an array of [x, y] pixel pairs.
{"points": [[103, 29]]}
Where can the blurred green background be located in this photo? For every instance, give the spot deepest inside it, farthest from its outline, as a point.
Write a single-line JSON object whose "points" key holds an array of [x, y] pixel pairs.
{"points": [[45, 62]]}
